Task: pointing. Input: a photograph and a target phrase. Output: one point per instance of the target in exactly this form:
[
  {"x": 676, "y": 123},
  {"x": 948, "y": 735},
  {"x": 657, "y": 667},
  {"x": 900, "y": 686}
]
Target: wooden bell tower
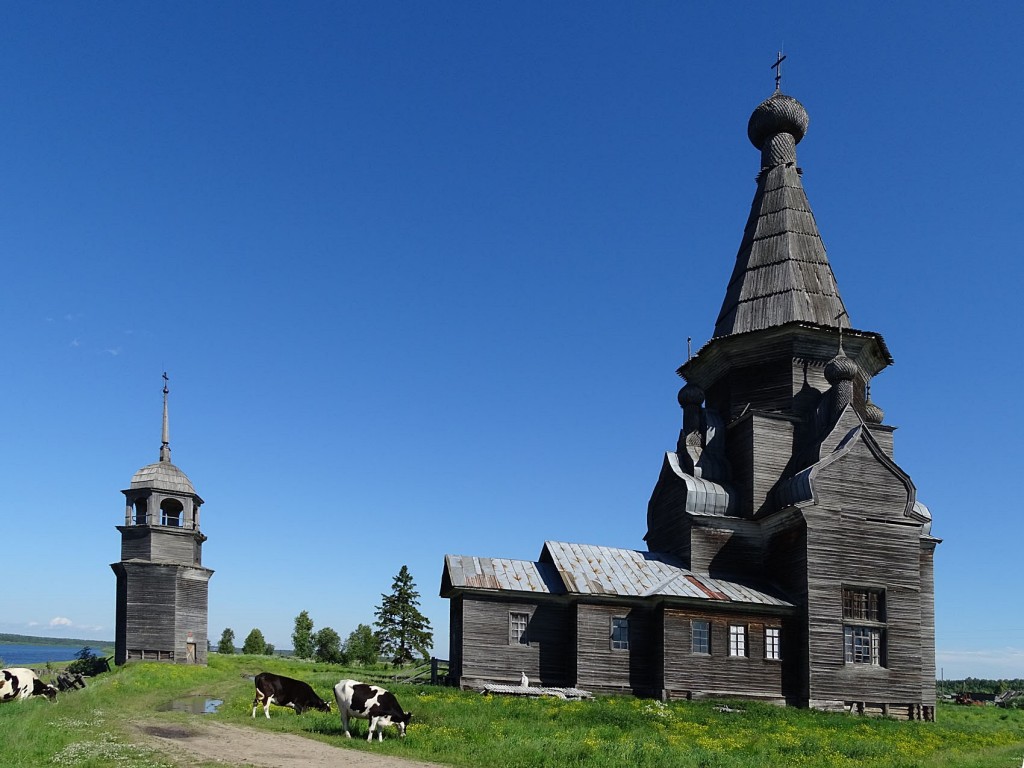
[{"x": 162, "y": 586}]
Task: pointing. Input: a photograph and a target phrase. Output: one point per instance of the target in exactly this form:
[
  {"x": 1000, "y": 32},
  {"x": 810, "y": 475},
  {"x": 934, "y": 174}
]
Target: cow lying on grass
[
  {"x": 285, "y": 692},
  {"x": 20, "y": 683},
  {"x": 370, "y": 702}
]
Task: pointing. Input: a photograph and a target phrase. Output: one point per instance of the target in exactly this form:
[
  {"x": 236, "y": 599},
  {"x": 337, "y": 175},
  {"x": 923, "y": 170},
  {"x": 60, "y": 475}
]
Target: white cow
[
  {"x": 370, "y": 702},
  {"x": 21, "y": 683}
]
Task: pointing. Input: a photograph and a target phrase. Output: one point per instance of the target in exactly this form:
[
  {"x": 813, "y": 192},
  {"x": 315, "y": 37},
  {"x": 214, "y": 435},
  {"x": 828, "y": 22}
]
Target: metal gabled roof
[
  {"x": 497, "y": 573},
  {"x": 595, "y": 570},
  {"x": 586, "y": 569}
]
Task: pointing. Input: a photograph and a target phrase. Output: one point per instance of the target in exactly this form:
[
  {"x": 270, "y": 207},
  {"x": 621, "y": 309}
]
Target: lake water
[{"x": 21, "y": 655}]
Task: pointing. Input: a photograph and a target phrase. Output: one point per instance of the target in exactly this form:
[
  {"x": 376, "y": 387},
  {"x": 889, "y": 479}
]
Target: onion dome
[
  {"x": 872, "y": 413},
  {"x": 691, "y": 394},
  {"x": 840, "y": 368},
  {"x": 777, "y": 114},
  {"x": 922, "y": 513}
]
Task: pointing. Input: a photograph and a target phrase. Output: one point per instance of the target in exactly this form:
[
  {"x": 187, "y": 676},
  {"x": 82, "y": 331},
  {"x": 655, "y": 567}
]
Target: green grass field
[{"x": 90, "y": 727}]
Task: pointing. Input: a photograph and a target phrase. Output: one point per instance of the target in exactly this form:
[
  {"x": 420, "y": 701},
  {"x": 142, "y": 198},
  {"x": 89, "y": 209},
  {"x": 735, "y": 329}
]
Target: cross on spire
[
  {"x": 777, "y": 66},
  {"x": 165, "y": 437}
]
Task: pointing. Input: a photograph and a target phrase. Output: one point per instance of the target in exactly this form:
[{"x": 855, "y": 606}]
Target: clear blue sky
[{"x": 421, "y": 274}]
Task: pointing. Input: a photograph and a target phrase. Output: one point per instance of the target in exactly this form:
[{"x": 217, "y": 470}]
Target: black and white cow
[
  {"x": 285, "y": 692},
  {"x": 20, "y": 683},
  {"x": 372, "y": 703}
]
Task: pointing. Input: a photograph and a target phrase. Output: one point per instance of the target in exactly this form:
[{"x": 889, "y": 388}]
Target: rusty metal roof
[
  {"x": 502, "y": 574},
  {"x": 585, "y": 569}
]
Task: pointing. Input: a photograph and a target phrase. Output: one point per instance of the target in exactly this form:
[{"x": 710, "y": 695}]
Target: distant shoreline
[{"x": 60, "y": 641}]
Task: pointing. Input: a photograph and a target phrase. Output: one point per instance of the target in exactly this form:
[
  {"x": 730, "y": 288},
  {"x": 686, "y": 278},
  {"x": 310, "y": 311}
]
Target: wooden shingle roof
[{"x": 782, "y": 273}]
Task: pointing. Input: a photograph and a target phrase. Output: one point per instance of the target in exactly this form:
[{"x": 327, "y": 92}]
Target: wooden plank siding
[
  {"x": 601, "y": 668},
  {"x": 151, "y": 601},
  {"x": 486, "y": 655},
  {"x": 160, "y": 544},
  {"x": 847, "y": 551},
  {"x": 696, "y": 675},
  {"x": 726, "y": 547},
  {"x": 927, "y": 560},
  {"x": 763, "y": 442}
]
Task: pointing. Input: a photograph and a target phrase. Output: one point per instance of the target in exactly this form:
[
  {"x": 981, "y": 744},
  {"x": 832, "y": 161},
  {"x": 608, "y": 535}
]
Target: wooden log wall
[
  {"x": 191, "y": 611},
  {"x": 487, "y": 655},
  {"x": 726, "y": 547},
  {"x": 694, "y": 675},
  {"x": 928, "y": 623},
  {"x": 844, "y": 549},
  {"x": 601, "y": 668},
  {"x": 759, "y": 449},
  {"x": 766, "y": 386},
  {"x": 151, "y": 600}
]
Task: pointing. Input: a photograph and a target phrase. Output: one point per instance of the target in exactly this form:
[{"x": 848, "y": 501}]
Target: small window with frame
[
  {"x": 518, "y": 623},
  {"x": 620, "y": 634},
  {"x": 773, "y": 643},
  {"x": 700, "y": 637},
  {"x": 738, "y": 640}
]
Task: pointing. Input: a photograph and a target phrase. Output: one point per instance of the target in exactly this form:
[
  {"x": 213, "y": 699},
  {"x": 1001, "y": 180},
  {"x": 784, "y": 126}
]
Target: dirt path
[{"x": 235, "y": 745}]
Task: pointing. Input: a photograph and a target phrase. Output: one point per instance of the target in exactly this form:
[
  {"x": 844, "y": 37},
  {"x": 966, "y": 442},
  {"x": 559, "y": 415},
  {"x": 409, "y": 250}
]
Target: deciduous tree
[
  {"x": 361, "y": 646},
  {"x": 255, "y": 643},
  {"x": 302, "y": 637},
  {"x": 327, "y": 644}
]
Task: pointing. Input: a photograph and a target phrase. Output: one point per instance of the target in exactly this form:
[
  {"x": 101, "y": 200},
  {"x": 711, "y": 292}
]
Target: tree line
[{"x": 400, "y": 631}]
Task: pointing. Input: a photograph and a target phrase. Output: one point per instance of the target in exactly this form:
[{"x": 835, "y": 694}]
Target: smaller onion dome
[
  {"x": 922, "y": 513},
  {"x": 691, "y": 394},
  {"x": 777, "y": 114},
  {"x": 872, "y": 413},
  {"x": 840, "y": 368}
]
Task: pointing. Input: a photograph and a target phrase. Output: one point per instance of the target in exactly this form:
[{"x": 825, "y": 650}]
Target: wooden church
[
  {"x": 162, "y": 586},
  {"x": 788, "y": 560}
]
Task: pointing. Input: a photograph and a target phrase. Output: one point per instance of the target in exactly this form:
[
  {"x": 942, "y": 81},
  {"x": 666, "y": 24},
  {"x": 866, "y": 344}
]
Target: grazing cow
[
  {"x": 285, "y": 692},
  {"x": 372, "y": 703},
  {"x": 20, "y": 683}
]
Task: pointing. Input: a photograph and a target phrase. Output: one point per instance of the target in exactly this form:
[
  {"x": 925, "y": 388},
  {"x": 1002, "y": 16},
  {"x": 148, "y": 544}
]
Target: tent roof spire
[{"x": 782, "y": 273}]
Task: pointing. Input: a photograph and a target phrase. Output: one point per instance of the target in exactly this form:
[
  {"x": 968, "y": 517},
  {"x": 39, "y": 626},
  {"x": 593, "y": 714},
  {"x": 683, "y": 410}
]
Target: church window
[
  {"x": 620, "y": 634},
  {"x": 772, "y": 643},
  {"x": 700, "y": 636},
  {"x": 863, "y": 645},
  {"x": 737, "y": 640},
  {"x": 864, "y": 626},
  {"x": 517, "y": 623},
  {"x": 863, "y": 604}
]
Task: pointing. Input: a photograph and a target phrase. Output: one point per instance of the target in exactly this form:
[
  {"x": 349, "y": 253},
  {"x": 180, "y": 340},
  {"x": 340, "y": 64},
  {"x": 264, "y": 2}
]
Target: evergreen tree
[
  {"x": 268, "y": 649},
  {"x": 362, "y": 646},
  {"x": 401, "y": 628},
  {"x": 302, "y": 637},
  {"x": 254, "y": 643},
  {"x": 327, "y": 644},
  {"x": 227, "y": 641}
]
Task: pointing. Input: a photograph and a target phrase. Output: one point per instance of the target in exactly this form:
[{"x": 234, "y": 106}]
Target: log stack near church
[{"x": 788, "y": 558}]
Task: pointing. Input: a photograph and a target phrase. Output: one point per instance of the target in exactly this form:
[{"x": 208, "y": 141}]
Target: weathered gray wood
[{"x": 783, "y": 479}]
